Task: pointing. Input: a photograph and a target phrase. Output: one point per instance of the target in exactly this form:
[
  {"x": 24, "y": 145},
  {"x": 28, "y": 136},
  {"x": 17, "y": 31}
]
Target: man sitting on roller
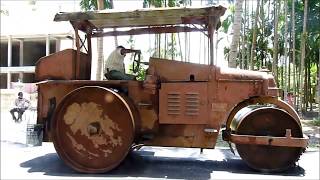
[{"x": 114, "y": 68}]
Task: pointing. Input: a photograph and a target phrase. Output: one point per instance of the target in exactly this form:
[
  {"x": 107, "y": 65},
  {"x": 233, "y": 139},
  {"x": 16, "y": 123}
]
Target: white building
[{"x": 28, "y": 33}]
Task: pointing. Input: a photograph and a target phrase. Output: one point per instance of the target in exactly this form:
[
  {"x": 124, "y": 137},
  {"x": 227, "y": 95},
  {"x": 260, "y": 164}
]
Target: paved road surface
[{"x": 21, "y": 162}]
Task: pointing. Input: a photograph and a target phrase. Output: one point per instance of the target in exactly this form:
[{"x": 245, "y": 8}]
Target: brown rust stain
[
  {"x": 80, "y": 116},
  {"x": 148, "y": 118}
]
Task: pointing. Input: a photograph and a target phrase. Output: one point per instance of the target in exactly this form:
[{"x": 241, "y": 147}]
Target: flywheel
[{"x": 93, "y": 129}]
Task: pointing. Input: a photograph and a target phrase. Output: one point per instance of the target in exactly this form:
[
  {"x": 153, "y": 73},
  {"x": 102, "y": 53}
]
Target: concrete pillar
[
  {"x": 21, "y": 58},
  {"x": 73, "y": 41},
  {"x": 9, "y": 61},
  {"x": 58, "y": 44},
  {"x": 47, "y": 45}
]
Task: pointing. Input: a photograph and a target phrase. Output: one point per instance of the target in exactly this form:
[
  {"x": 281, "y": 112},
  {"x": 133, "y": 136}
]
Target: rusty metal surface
[
  {"x": 56, "y": 90},
  {"x": 286, "y": 141},
  {"x": 176, "y": 135},
  {"x": 166, "y": 70},
  {"x": 263, "y": 100},
  {"x": 267, "y": 121},
  {"x": 183, "y": 103},
  {"x": 219, "y": 100},
  {"x": 179, "y": 104},
  {"x": 93, "y": 129},
  {"x": 63, "y": 65}
]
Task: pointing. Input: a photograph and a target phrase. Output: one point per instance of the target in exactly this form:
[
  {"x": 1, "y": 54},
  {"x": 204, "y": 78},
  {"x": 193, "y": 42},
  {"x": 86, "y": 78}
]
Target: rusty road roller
[{"x": 95, "y": 124}]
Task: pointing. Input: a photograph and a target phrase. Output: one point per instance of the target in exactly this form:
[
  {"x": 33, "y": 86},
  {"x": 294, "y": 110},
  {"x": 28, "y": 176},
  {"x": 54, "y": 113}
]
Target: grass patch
[
  {"x": 315, "y": 121},
  {"x": 314, "y": 145}
]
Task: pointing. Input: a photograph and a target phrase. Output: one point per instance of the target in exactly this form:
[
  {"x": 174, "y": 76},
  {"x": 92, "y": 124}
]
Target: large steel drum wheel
[
  {"x": 93, "y": 129},
  {"x": 267, "y": 121}
]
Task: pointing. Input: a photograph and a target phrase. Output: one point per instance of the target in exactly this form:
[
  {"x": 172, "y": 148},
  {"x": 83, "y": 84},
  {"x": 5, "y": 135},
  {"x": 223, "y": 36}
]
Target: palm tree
[
  {"x": 319, "y": 85},
  {"x": 100, "y": 62},
  {"x": 244, "y": 38},
  {"x": 293, "y": 51},
  {"x": 275, "y": 41},
  {"x": 236, "y": 34},
  {"x": 254, "y": 37},
  {"x": 285, "y": 48},
  {"x": 303, "y": 51},
  {"x": 88, "y": 5}
]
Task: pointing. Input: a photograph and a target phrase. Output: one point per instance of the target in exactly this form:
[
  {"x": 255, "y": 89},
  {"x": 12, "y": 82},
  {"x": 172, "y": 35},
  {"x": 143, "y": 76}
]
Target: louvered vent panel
[
  {"x": 192, "y": 104},
  {"x": 183, "y": 103},
  {"x": 174, "y": 103}
]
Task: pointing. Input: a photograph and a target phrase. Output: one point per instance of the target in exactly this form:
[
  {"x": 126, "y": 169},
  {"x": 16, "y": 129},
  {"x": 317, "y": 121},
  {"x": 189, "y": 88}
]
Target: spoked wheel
[
  {"x": 93, "y": 129},
  {"x": 267, "y": 121}
]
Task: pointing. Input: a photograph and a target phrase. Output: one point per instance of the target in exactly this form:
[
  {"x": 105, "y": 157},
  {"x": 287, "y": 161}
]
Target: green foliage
[
  {"x": 4, "y": 12},
  {"x": 89, "y": 5},
  {"x": 32, "y": 2},
  {"x": 264, "y": 50},
  {"x": 226, "y": 23},
  {"x": 166, "y": 3},
  {"x": 316, "y": 121},
  {"x": 141, "y": 74},
  {"x": 171, "y": 3}
]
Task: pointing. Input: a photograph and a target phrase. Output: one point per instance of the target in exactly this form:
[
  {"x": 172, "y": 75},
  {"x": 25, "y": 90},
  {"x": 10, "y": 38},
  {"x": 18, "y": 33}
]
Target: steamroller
[{"x": 94, "y": 124}]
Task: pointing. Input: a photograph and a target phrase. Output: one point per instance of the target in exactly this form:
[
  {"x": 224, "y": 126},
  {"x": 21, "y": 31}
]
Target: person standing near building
[
  {"x": 21, "y": 105},
  {"x": 114, "y": 67}
]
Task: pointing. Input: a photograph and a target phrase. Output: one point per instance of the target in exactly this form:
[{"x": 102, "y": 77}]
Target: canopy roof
[{"x": 143, "y": 17}]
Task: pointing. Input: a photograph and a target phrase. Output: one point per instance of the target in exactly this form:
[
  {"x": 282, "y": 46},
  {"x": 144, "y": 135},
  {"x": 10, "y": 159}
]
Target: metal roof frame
[{"x": 145, "y": 21}]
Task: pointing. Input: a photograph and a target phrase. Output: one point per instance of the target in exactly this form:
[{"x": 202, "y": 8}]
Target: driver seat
[{"x": 107, "y": 75}]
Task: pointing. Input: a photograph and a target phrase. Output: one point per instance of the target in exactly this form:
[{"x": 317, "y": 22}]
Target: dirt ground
[{"x": 313, "y": 132}]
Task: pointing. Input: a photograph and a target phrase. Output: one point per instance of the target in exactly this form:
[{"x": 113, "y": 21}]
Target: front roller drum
[
  {"x": 266, "y": 122},
  {"x": 93, "y": 129}
]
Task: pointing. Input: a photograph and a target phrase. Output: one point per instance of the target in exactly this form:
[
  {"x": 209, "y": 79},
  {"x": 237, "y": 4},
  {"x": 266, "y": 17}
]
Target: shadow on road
[{"x": 144, "y": 164}]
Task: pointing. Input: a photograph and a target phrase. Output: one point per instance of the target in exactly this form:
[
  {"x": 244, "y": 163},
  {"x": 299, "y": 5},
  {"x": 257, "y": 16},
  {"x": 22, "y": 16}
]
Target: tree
[
  {"x": 293, "y": 51},
  {"x": 254, "y": 37},
  {"x": 236, "y": 34},
  {"x": 285, "y": 48},
  {"x": 261, "y": 37},
  {"x": 4, "y": 12},
  {"x": 169, "y": 49},
  {"x": 275, "y": 41},
  {"x": 319, "y": 83},
  {"x": 303, "y": 45}
]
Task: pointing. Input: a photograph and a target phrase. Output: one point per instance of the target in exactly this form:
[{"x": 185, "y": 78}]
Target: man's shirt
[
  {"x": 115, "y": 61},
  {"x": 22, "y": 103}
]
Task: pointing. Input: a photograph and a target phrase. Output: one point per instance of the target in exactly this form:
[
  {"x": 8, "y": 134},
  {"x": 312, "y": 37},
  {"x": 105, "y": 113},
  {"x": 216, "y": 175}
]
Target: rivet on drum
[{"x": 109, "y": 98}]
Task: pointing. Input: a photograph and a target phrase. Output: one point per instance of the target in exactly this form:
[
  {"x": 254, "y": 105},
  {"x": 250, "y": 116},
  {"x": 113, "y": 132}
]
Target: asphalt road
[{"x": 19, "y": 161}]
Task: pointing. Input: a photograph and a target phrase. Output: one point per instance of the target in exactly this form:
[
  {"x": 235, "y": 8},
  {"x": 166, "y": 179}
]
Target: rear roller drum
[
  {"x": 93, "y": 129},
  {"x": 266, "y": 121}
]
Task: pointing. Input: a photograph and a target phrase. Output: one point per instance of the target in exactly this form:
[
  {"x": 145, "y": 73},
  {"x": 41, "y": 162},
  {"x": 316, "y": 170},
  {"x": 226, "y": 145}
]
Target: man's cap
[{"x": 120, "y": 47}]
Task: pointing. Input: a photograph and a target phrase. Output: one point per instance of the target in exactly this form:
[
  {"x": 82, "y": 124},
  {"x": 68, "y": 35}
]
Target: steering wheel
[{"x": 136, "y": 62}]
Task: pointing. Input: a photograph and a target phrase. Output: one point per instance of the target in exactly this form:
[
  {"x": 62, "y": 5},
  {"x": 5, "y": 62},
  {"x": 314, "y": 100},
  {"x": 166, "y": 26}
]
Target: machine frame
[{"x": 184, "y": 108}]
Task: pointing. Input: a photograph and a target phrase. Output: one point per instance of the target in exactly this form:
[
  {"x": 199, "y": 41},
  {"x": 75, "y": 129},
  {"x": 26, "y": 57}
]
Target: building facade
[{"x": 28, "y": 33}]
